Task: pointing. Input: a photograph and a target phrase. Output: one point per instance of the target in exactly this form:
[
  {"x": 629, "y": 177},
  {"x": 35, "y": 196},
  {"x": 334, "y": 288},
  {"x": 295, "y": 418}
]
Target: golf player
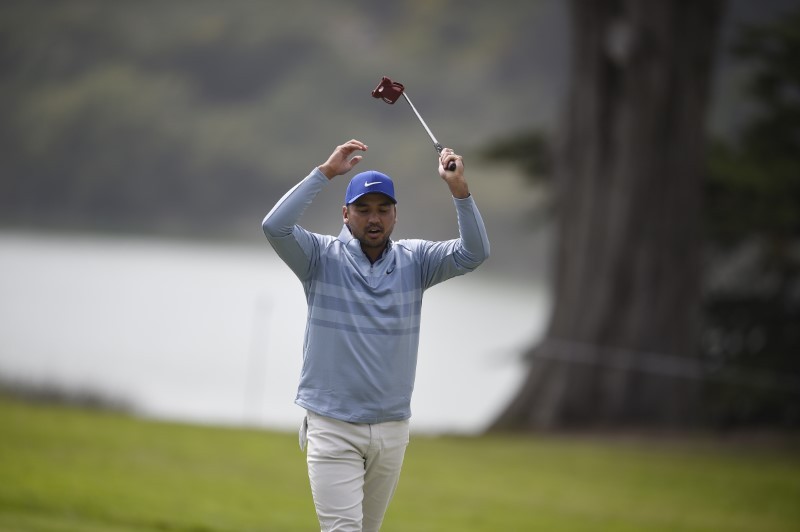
[{"x": 364, "y": 294}]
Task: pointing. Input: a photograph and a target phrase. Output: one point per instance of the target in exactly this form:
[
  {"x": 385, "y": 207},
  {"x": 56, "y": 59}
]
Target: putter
[{"x": 389, "y": 91}]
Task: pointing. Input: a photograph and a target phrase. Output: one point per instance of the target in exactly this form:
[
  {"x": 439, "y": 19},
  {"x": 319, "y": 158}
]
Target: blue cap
[{"x": 368, "y": 182}]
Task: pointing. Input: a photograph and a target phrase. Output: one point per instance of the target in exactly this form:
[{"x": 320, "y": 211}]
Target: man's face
[{"x": 371, "y": 220}]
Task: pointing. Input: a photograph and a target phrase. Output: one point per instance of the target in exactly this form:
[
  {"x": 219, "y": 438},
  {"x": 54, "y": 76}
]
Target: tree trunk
[{"x": 618, "y": 349}]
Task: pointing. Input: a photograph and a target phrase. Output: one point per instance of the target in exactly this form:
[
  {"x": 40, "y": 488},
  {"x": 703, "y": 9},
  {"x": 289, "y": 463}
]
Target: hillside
[{"x": 187, "y": 118}]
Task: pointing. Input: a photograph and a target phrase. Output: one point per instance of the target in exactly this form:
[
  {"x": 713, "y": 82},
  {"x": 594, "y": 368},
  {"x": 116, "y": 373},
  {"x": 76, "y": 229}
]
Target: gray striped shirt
[{"x": 362, "y": 332}]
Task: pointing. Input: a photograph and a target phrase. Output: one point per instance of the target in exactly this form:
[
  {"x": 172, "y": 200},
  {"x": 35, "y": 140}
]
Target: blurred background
[{"x": 142, "y": 143}]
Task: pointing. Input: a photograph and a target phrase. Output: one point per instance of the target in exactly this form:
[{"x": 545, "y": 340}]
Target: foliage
[
  {"x": 67, "y": 469},
  {"x": 184, "y": 116},
  {"x": 54, "y": 394},
  {"x": 753, "y": 222},
  {"x": 530, "y": 150}
]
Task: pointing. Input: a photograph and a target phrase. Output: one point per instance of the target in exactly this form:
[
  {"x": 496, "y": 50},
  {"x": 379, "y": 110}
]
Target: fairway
[{"x": 65, "y": 469}]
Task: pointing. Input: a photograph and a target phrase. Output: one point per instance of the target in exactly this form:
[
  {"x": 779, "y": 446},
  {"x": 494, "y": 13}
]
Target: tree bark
[{"x": 618, "y": 348}]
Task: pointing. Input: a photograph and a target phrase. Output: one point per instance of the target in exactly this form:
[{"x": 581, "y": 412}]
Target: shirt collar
[{"x": 355, "y": 246}]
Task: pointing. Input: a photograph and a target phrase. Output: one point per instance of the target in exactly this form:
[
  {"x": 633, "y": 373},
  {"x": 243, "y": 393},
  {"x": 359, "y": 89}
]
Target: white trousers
[{"x": 353, "y": 469}]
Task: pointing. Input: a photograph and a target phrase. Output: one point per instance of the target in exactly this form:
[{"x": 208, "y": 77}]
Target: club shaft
[{"x": 421, "y": 121}]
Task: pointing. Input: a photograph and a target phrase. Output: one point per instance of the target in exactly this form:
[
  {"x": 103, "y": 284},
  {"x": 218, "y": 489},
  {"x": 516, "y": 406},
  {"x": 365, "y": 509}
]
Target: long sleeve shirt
[{"x": 362, "y": 330}]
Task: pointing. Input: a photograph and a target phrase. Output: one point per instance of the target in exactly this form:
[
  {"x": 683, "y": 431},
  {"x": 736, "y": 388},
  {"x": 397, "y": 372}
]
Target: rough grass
[{"x": 67, "y": 469}]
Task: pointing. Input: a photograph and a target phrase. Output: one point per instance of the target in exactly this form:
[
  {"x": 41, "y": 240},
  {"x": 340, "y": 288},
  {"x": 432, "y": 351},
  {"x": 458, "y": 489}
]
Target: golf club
[{"x": 389, "y": 91}]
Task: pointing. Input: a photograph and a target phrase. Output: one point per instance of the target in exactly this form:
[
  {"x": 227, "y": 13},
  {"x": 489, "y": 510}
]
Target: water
[{"x": 213, "y": 333}]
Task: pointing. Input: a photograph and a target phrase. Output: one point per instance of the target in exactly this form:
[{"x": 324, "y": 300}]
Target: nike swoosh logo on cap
[{"x": 373, "y": 183}]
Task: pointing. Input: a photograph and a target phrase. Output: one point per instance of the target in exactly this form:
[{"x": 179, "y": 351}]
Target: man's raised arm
[{"x": 280, "y": 221}]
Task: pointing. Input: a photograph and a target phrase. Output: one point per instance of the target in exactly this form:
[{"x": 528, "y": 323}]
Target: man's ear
[{"x": 344, "y": 214}]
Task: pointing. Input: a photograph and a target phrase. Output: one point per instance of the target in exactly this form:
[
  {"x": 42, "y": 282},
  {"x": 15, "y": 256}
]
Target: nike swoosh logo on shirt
[{"x": 373, "y": 183}]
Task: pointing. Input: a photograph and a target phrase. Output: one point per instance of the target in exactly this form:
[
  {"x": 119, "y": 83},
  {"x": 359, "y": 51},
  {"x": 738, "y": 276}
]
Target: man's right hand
[{"x": 340, "y": 161}]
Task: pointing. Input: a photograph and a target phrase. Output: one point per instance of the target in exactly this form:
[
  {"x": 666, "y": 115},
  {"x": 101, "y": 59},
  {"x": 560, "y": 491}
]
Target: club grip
[{"x": 450, "y": 167}]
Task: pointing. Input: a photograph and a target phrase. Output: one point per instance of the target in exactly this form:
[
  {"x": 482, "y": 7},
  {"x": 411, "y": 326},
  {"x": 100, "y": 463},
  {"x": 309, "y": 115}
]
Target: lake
[{"x": 213, "y": 333}]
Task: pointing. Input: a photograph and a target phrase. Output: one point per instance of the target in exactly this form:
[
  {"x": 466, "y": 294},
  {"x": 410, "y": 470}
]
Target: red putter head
[{"x": 388, "y": 91}]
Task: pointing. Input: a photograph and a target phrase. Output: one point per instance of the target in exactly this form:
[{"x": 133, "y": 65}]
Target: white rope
[{"x": 661, "y": 364}]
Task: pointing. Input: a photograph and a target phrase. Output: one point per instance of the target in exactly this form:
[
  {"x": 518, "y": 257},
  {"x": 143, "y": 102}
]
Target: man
[{"x": 364, "y": 294}]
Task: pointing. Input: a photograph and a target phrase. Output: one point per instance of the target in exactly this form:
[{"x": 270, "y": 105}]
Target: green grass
[{"x": 65, "y": 469}]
